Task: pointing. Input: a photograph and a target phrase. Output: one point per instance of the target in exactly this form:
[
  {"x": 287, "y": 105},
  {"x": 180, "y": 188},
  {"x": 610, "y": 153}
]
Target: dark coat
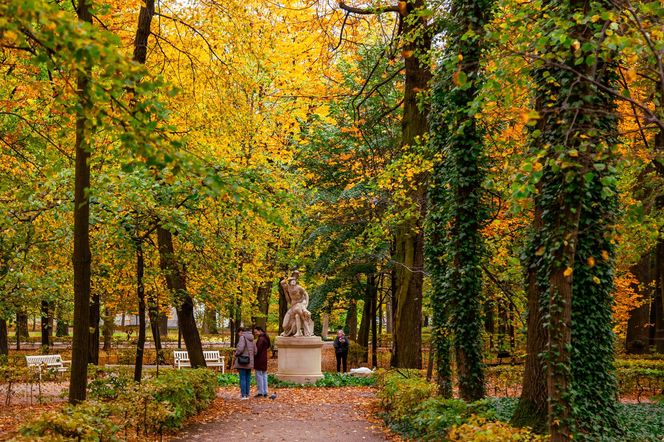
[
  {"x": 245, "y": 346},
  {"x": 341, "y": 347},
  {"x": 262, "y": 347}
]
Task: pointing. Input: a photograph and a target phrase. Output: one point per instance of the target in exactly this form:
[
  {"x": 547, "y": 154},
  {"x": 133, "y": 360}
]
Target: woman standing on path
[
  {"x": 244, "y": 360},
  {"x": 341, "y": 350},
  {"x": 260, "y": 362}
]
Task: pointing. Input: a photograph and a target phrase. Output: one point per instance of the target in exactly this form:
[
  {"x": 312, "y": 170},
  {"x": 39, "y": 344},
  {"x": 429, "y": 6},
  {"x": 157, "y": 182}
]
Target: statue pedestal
[{"x": 299, "y": 359}]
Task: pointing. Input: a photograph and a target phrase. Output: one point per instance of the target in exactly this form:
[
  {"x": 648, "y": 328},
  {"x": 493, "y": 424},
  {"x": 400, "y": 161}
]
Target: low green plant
[
  {"x": 157, "y": 404},
  {"x": 344, "y": 380},
  {"x": 89, "y": 421}
]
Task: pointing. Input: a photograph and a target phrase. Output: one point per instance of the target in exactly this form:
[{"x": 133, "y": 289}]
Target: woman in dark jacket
[
  {"x": 245, "y": 349},
  {"x": 260, "y": 361},
  {"x": 341, "y": 349}
]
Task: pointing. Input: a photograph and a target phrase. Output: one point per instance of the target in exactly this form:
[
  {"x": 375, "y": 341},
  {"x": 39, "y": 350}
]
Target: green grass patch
[{"x": 330, "y": 380}]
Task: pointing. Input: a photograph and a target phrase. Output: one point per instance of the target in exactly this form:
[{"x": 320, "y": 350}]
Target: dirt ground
[{"x": 297, "y": 414}]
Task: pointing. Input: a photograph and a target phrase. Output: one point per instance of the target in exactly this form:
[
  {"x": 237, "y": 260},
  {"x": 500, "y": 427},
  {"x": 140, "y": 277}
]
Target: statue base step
[{"x": 299, "y": 359}]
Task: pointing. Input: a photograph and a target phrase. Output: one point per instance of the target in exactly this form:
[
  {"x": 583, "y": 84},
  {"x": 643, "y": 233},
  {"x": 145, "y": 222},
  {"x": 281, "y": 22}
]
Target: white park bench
[
  {"x": 46, "y": 362},
  {"x": 212, "y": 359}
]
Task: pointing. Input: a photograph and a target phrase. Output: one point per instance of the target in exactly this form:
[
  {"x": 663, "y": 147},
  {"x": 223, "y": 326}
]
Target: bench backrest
[
  {"x": 34, "y": 361},
  {"x": 180, "y": 355},
  {"x": 211, "y": 355}
]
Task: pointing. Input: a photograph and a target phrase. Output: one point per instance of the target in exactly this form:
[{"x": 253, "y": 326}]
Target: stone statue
[{"x": 297, "y": 321}]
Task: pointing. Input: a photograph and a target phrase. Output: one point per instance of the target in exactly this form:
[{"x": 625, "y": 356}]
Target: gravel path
[{"x": 297, "y": 414}]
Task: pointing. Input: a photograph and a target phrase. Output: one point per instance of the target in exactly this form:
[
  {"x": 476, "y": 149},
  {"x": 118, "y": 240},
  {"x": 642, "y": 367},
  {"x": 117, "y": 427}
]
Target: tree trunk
[
  {"x": 82, "y": 257},
  {"x": 4, "y": 341},
  {"x": 210, "y": 321},
  {"x": 659, "y": 295},
  {"x": 371, "y": 282},
  {"x": 61, "y": 328},
  {"x": 407, "y": 350},
  {"x": 140, "y": 295},
  {"x": 109, "y": 326},
  {"x": 407, "y": 345},
  {"x": 154, "y": 314},
  {"x": 560, "y": 330},
  {"x": 351, "y": 320},
  {"x": 95, "y": 316},
  {"x": 45, "y": 328},
  {"x": 365, "y": 324},
  {"x": 638, "y": 325},
  {"x": 176, "y": 282},
  {"x": 22, "y": 331},
  {"x": 325, "y": 326},
  {"x": 283, "y": 307},
  {"x": 263, "y": 304},
  {"x": 531, "y": 410},
  {"x": 163, "y": 325},
  {"x": 388, "y": 315}
]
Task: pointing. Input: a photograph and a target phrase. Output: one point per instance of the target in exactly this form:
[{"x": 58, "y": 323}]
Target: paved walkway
[{"x": 297, "y": 414}]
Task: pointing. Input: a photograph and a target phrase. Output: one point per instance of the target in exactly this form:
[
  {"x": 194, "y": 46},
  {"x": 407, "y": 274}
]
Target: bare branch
[{"x": 368, "y": 11}]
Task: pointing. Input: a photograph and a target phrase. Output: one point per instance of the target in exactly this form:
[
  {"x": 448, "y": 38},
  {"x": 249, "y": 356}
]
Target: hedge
[{"x": 119, "y": 409}]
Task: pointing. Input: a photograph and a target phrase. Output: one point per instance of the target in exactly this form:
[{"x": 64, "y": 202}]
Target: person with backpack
[{"x": 244, "y": 360}]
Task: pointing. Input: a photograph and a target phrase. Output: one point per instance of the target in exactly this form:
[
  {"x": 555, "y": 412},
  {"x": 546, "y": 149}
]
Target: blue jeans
[
  {"x": 245, "y": 381},
  {"x": 261, "y": 382}
]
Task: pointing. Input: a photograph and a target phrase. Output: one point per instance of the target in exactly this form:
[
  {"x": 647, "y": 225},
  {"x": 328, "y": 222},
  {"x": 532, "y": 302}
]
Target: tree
[
  {"x": 82, "y": 257},
  {"x": 408, "y": 237}
]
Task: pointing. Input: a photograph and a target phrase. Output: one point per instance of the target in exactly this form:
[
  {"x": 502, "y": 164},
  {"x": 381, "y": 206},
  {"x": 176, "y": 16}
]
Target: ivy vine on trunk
[{"x": 457, "y": 210}]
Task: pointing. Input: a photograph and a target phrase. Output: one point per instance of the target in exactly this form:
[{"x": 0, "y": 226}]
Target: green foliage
[
  {"x": 158, "y": 404},
  {"x": 641, "y": 422},
  {"x": 638, "y": 422},
  {"x": 344, "y": 380},
  {"x": 401, "y": 391},
  {"x": 635, "y": 378},
  {"x": 412, "y": 410},
  {"x": 329, "y": 380},
  {"x": 457, "y": 197},
  {"x": 89, "y": 421}
]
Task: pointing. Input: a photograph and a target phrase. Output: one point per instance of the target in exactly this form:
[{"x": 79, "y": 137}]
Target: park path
[{"x": 297, "y": 414}]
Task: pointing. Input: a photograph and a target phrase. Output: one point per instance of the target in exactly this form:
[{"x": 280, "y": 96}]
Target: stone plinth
[{"x": 299, "y": 359}]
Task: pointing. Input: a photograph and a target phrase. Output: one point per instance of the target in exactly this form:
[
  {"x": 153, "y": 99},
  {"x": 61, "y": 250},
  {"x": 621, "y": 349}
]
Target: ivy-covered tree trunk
[
  {"x": 457, "y": 212},
  {"x": 176, "y": 282},
  {"x": 82, "y": 257},
  {"x": 576, "y": 199},
  {"x": 531, "y": 410}
]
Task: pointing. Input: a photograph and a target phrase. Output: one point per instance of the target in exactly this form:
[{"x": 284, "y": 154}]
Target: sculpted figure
[{"x": 297, "y": 321}]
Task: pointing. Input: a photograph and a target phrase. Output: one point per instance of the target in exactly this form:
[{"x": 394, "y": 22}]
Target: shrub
[
  {"x": 344, "y": 380},
  {"x": 412, "y": 409},
  {"x": 479, "y": 429},
  {"x": 157, "y": 404},
  {"x": 402, "y": 390},
  {"x": 89, "y": 421}
]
